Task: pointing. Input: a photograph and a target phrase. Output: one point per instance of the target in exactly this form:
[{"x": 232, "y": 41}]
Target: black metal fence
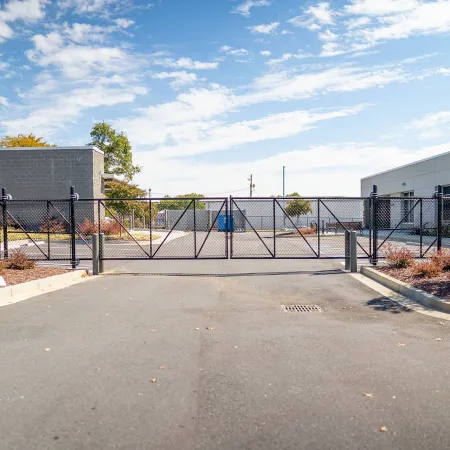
[{"x": 222, "y": 228}]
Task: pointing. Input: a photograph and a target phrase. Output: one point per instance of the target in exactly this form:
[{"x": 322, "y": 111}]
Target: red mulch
[
  {"x": 21, "y": 276},
  {"x": 439, "y": 286}
]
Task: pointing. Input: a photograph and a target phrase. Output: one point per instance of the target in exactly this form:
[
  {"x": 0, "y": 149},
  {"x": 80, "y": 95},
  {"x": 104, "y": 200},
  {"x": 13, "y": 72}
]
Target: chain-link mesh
[
  {"x": 206, "y": 228},
  {"x": 407, "y": 222}
]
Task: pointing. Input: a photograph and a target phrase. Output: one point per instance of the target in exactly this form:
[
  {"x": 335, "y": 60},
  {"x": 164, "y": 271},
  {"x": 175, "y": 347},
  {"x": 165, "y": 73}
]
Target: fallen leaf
[
  {"x": 47, "y": 349},
  {"x": 441, "y": 323},
  {"x": 154, "y": 380},
  {"x": 383, "y": 428},
  {"x": 162, "y": 367},
  {"x": 439, "y": 339},
  {"x": 401, "y": 345},
  {"x": 366, "y": 394},
  {"x": 209, "y": 328},
  {"x": 197, "y": 329}
]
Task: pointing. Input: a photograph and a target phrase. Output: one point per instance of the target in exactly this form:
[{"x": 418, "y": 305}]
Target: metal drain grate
[{"x": 301, "y": 308}]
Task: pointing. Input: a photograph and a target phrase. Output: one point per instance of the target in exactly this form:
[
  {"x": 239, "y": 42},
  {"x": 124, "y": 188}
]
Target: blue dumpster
[{"x": 225, "y": 223}]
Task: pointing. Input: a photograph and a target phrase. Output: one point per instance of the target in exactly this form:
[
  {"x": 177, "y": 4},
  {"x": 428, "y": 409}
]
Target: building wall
[
  {"x": 48, "y": 173},
  {"x": 421, "y": 177}
]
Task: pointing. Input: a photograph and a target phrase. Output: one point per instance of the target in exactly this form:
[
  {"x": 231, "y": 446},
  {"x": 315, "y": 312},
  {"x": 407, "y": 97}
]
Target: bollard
[
  {"x": 347, "y": 250},
  {"x": 95, "y": 254},
  {"x": 353, "y": 252},
  {"x": 101, "y": 262}
]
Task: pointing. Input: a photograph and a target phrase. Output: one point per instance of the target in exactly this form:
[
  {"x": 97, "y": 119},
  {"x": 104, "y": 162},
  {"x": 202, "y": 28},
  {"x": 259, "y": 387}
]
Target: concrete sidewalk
[{"x": 77, "y": 365}]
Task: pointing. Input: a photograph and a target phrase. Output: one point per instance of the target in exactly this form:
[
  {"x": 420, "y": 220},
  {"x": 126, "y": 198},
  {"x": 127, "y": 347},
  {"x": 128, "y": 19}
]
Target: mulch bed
[
  {"x": 21, "y": 276},
  {"x": 439, "y": 286}
]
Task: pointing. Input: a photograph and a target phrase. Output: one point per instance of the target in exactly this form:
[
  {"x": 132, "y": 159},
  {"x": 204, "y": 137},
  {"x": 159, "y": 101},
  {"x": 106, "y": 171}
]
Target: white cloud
[
  {"x": 4, "y": 101},
  {"x": 234, "y": 51},
  {"x": 124, "y": 23},
  {"x": 215, "y": 136},
  {"x": 313, "y": 171},
  {"x": 244, "y": 8},
  {"x": 377, "y": 21},
  {"x": 52, "y": 111},
  {"x": 286, "y": 57},
  {"x": 85, "y": 6},
  {"x": 380, "y": 7},
  {"x": 431, "y": 126},
  {"x": 265, "y": 52},
  {"x": 269, "y": 28},
  {"x": 25, "y": 10},
  {"x": 315, "y": 17},
  {"x": 179, "y": 79},
  {"x": 185, "y": 63}
]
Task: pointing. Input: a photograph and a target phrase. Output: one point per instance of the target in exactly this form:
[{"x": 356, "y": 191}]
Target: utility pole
[
  {"x": 150, "y": 193},
  {"x": 252, "y": 186},
  {"x": 284, "y": 181}
]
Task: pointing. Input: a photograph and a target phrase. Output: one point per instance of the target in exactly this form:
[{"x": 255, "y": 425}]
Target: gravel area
[
  {"x": 439, "y": 286},
  {"x": 21, "y": 276}
]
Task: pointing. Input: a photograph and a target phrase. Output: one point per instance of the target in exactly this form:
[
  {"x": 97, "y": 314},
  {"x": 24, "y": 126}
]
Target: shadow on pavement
[
  {"x": 226, "y": 275},
  {"x": 386, "y": 304}
]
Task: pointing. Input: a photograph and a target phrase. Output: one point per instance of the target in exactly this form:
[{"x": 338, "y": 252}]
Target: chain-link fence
[{"x": 215, "y": 228}]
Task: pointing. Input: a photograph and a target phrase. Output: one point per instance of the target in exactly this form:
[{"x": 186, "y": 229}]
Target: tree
[
  {"x": 298, "y": 207},
  {"x": 178, "y": 203},
  {"x": 22, "y": 140},
  {"x": 121, "y": 189},
  {"x": 117, "y": 150}
]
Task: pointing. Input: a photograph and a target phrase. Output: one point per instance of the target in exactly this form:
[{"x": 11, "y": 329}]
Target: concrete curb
[
  {"x": 407, "y": 290},
  {"x": 24, "y": 291}
]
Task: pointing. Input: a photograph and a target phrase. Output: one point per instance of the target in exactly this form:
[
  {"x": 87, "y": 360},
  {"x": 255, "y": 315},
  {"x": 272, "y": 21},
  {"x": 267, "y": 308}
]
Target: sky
[{"x": 211, "y": 91}]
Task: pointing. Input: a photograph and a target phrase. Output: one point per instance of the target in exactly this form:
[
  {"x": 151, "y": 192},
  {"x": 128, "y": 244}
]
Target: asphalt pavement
[{"x": 212, "y": 362}]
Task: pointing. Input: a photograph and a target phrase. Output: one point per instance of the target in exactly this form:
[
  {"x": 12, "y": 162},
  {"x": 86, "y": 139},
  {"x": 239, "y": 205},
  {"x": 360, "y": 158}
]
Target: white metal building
[{"x": 418, "y": 179}]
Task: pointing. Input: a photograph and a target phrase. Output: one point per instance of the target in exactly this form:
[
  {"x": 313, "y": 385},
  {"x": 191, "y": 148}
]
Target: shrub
[
  {"x": 442, "y": 258},
  {"x": 398, "y": 257},
  {"x": 427, "y": 269},
  {"x": 110, "y": 227},
  {"x": 52, "y": 225},
  {"x": 87, "y": 228},
  {"x": 19, "y": 261}
]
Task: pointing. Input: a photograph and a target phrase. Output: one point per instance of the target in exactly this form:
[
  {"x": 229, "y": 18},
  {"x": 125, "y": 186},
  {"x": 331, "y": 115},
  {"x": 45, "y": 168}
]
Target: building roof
[
  {"x": 84, "y": 147},
  {"x": 407, "y": 165}
]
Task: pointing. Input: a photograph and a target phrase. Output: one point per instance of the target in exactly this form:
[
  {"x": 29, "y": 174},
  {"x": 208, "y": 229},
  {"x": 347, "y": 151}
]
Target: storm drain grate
[{"x": 301, "y": 308}]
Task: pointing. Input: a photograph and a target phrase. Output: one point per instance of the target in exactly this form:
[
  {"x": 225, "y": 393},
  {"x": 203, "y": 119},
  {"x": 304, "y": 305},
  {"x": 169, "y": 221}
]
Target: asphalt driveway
[{"x": 212, "y": 362}]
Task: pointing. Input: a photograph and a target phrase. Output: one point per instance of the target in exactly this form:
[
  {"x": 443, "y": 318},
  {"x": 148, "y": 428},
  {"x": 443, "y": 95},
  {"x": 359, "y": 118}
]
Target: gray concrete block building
[
  {"x": 41, "y": 174},
  {"x": 48, "y": 172}
]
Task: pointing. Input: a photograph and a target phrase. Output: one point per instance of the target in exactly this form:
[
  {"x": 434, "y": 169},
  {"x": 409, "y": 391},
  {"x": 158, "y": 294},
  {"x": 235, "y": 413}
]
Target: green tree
[
  {"x": 298, "y": 207},
  {"x": 22, "y": 140},
  {"x": 181, "y": 202},
  {"x": 121, "y": 189},
  {"x": 117, "y": 150}
]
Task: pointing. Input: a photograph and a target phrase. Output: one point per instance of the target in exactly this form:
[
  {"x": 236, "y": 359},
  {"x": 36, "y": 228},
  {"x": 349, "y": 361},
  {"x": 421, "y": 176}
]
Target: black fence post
[
  {"x": 274, "y": 230},
  {"x": 5, "y": 223},
  {"x": 48, "y": 230},
  {"x": 73, "y": 198},
  {"x": 374, "y": 199},
  {"x": 440, "y": 208},
  {"x": 195, "y": 229}
]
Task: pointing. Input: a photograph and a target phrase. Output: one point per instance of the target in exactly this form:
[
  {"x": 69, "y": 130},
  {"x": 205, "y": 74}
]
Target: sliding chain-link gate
[{"x": 222, "y": 228}]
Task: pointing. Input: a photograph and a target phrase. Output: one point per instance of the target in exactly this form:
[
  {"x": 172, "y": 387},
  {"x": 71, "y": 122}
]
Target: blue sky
[{"x": 210, "y": 92}]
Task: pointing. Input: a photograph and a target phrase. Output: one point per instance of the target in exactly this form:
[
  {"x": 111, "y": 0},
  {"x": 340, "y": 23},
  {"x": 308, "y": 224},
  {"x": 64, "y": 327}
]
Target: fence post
[
  {"x": 440, "y": 204},
  {"x": 374, "y": 198},
  {"x": 73, "y": 198},
  {"x": 101, "y": 249},
  {"x": 95, "y": 254},
  {"x": 5, "y": 223},
  {"x": 347, "y": 250},
  {"x": 195, "y": 230},
  {"x": 274, "y": 230},
  {"x": 353, "y": 252}
]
